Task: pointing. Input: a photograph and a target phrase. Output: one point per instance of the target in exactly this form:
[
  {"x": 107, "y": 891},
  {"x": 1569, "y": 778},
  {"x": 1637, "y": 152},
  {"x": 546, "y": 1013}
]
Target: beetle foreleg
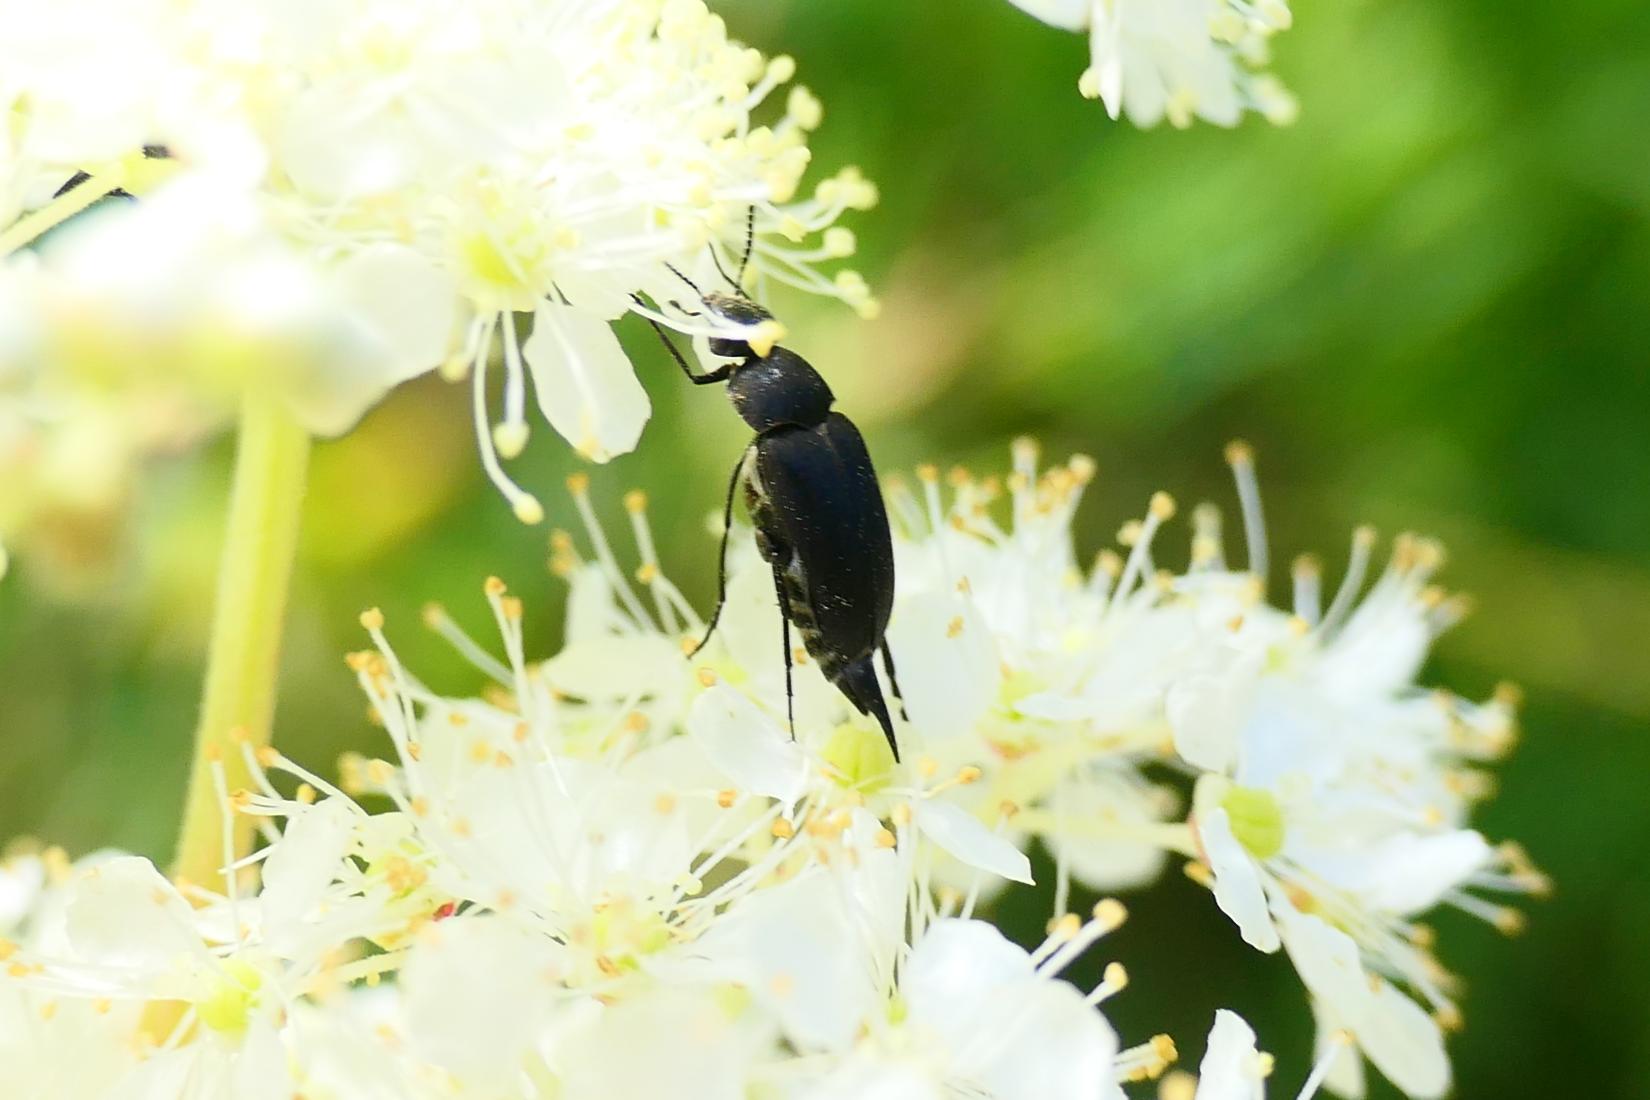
[
  {"x": 720, "y": 374},
  {"x": 722, "y": 559}
]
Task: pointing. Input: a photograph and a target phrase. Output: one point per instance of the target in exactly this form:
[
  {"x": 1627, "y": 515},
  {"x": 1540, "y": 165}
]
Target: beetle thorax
[{"x": 780, "y": 389}]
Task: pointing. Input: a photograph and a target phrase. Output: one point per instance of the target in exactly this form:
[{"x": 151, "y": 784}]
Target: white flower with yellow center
[
  {"x": 385, "y": 189},
  {"x": 1177, "y": 59}
]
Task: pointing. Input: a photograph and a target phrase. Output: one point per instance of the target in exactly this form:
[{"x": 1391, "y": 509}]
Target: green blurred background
[{"x": 1425, "y": 304}]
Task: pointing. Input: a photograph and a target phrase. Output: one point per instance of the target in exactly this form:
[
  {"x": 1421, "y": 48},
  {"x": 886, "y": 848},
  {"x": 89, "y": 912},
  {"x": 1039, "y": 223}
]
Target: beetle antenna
[
  {"x": 722, "y": 271},
  {"x": 674, "y": 270},
  {"x": 750, "y": 243}
]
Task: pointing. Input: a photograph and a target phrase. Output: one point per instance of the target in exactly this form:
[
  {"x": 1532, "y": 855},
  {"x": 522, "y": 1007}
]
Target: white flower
[
  {"x": 1330, "y": 781},
  {"x": 382, "y": 189},
  {"x": 1177, "y": 59},
  {"x": 975, "y": 1014}
]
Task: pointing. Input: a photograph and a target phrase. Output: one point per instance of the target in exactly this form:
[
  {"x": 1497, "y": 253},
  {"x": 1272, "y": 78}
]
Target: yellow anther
[
  {"x": 707, "y": 677},
  {"x": 764, "y": 335},
  {"x": 1239, "y": 453},
  {"x": 968, "y": 773},
  {"x": 1178, "y": 1085},
  {"x": 1109, "y": 913},
  {"x": 1065, "y": 927},
  {"x": 494, "y": 587},
  {"x": 578, "y": 483},
  {"x": 528, "y": 510},
  {"x": 782, "y": 829},
  {"x": 726, "y": 798},
  {"x": 1162, "y": 506}
]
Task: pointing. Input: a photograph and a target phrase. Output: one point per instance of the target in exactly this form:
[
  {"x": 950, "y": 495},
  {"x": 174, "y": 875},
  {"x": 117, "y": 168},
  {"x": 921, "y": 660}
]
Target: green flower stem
[{"x": 238, "y": 705}]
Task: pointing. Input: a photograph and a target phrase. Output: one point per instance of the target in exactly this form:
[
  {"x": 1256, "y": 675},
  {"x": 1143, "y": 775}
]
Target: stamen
[
  {"x": 1241, "y": 457},
  {"x": 1308, "y": 590},
  {"x": 1162, "y": 508},
  {"x": 1338, "y": 1044},
  {"x": 579, "y": 486},
  {"x": 438, "y": 620},
  {"x": 1357, "y": 565},
  {"x": 510, "y": 436},
  {"x": 1207, "y": 551},
  {"x": 1113, "y": 981},
  {"x": 526, "y": 506}
]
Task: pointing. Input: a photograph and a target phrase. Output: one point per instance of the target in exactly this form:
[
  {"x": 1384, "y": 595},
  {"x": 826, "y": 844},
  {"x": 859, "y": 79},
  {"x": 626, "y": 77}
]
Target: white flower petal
[
  {"x": 21, "y": 882},
  {"x": 1411, "y": 873},
  {"x": 1405, "y": 1044},
  {"x": 797, "y": 948},
  {"x": 1327, "y": 960},
  {"x": 1206, "y": 712},
  {"x": 1069, "y": 15},
  {"x": 476, "y": 992},
  {"x": 1110, "y": 795},
  {"x": 1346, "y": 1072},
  {"x": 585, "y": 385},
  {"x": 965, "y": 837},
  {"x": 125, "y": 914},
  {"x": 746, "y": 745},
  {"x": 403, "y": 309},
  {"x": 948, "y": 664},
  {"x": 1238, "y": 888},
  {"x": 615, "y": 666},
  {"x": 1228, "y": 1069},
  {"x": 668, "y": 1042},
  {"x": 303, "y": 863},
  {"x": 955, "y": 964}
]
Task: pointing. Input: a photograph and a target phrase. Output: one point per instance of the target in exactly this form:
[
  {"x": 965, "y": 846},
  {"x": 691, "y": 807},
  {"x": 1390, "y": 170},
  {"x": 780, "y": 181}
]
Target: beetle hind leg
[
  {"x": 785, "y": 645},
  {"x": 893, "y": 679}
]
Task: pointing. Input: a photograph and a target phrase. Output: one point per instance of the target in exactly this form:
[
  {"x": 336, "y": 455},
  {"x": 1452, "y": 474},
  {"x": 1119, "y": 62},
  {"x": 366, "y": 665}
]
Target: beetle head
[{"x": 761, "y": 333}]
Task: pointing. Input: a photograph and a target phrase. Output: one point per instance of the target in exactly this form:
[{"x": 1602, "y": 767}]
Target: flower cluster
[
  {"x": 1177, "y": 59},
  {"x": 333, "y": 199},
  {"x": 617, "y": 869}
]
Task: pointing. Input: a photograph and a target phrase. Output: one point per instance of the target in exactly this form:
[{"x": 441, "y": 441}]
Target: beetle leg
[
  {"x": 720, "y": 374},
  {"x": 722, "y": 559},
  {"x": 893, "y": 680},
  {"x": 785, "y": 642}
]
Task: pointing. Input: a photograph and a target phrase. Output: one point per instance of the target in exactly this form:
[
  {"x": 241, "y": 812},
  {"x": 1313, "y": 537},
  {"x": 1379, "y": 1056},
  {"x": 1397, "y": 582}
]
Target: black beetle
[{"x": 815, "y": 502}]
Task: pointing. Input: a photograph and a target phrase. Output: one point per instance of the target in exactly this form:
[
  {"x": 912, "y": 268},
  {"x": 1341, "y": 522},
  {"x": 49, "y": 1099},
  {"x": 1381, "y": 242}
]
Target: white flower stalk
[
  {"x": 1177, "y": 59},
  {"x": 381, "y": 190}
]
